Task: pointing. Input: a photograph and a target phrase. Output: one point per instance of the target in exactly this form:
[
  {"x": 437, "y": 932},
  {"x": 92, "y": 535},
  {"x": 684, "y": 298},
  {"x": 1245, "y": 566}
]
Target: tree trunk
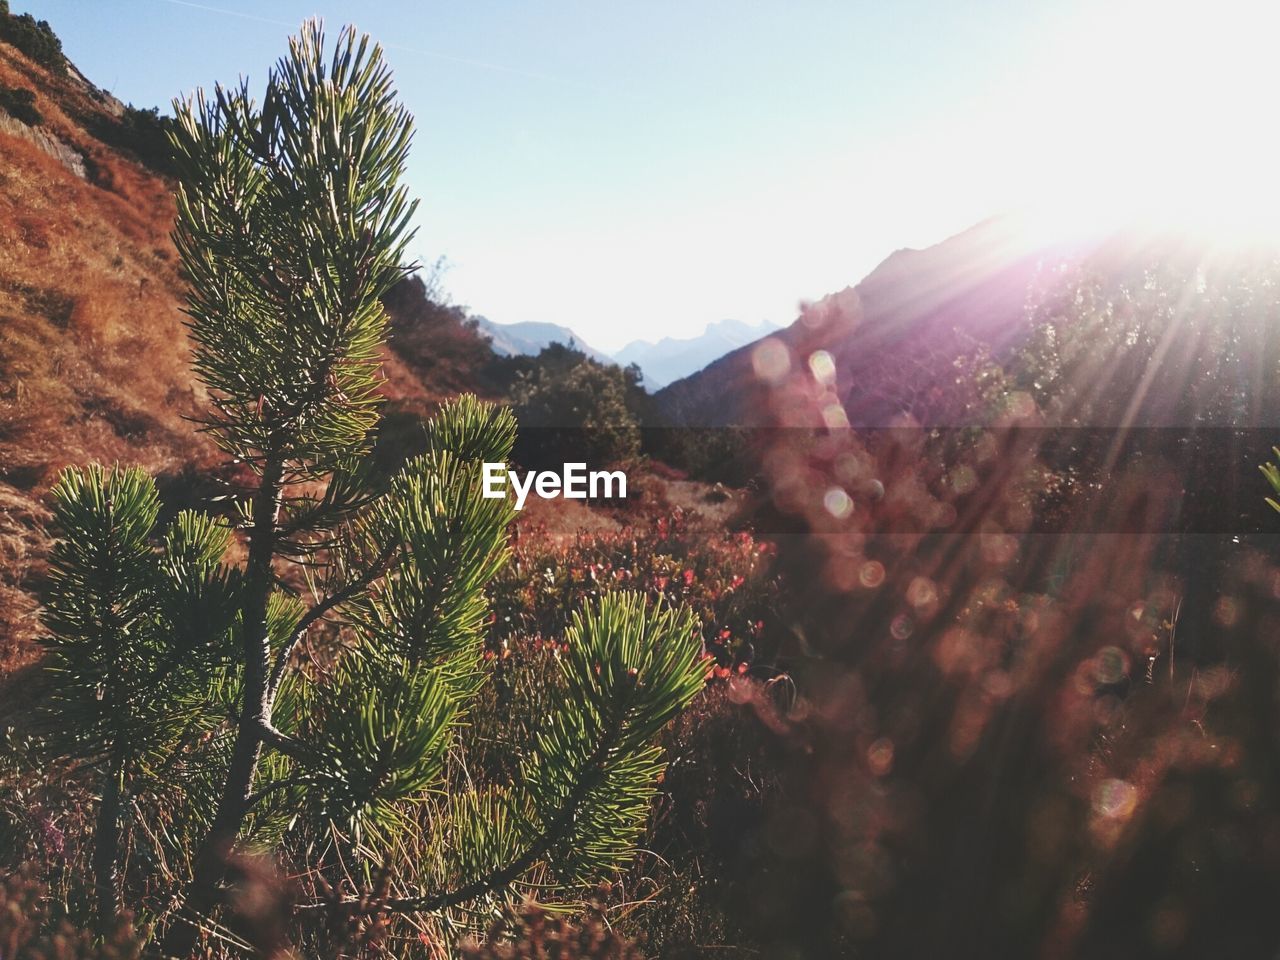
[
  {"x": 255, "y": 715},
  {"x": 106, "y": 846}
]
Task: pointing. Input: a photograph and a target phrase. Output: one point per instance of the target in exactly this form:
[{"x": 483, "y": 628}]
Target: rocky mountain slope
[{"x": 92, "y": 350}]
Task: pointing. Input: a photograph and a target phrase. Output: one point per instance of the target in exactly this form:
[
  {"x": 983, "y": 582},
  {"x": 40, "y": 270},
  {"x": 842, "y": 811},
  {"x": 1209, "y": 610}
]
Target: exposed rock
[{"x": 65, "y": 154}]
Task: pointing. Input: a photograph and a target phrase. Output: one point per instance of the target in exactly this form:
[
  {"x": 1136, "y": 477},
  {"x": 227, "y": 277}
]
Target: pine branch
[
  {"x": 276, "y": 786},
  {"x": 556, "y": 830},
  {"x": 281, "y": 742},
  {"x": 348, "y": 592}
]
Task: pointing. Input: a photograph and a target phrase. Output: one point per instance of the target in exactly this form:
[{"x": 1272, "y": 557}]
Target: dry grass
[
  {"x": 93, "y": 355},
  {"x": 21, "y": 555}
]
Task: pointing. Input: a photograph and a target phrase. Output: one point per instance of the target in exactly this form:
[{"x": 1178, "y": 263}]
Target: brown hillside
[{"x": 93, "y": 357}]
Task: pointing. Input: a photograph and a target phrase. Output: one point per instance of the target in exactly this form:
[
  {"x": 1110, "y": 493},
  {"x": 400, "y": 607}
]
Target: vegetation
[
  {"x": 24, "y": 927},
  {"x": 20, "y": 104},
  {"x": 175, "y": 674},
  {"x": 574, "y": 408},
  {"x": 1272, "y": 472},
  {"x": 146, "y": 133},
  {"x": 1028, "y": 641},
  {"x": 142, "y": 133},
  {"x": 33, "y": 37},
  {"x": 539, "y": 934},
  {"x": 436, "y": 339},
  {"x": 726, "y": 578},
  {"x": 94, "y": 361}
]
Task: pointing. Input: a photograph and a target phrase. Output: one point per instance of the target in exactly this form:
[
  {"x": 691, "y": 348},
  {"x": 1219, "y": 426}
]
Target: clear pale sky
[{"x": 638, "y": 169}]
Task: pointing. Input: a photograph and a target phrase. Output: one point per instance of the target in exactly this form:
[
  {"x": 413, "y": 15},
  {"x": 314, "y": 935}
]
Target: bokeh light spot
[
  {"x": 872, "y": 574},
  {"x": 771, "y": 360},
  {"x": 1115, "y": 799},
  {"x": 837, "y": 503},
  {"x": 823, "y": 367}
]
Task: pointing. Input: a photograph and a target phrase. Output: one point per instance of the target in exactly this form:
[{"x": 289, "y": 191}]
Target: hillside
[
  {"x": 895, "y": 330},
  {"x": 910, "y": 338},
  {"x": 92, "y": 352}
]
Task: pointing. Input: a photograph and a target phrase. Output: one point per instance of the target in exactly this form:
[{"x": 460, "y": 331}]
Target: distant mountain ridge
[
  {"x": 669, "y": 359},
  {"x": 672, "y": 358},
  {"x": 531, "y": 337}
]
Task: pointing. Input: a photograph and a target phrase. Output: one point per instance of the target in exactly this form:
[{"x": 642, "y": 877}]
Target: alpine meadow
[{"x": 478, "y": 512}]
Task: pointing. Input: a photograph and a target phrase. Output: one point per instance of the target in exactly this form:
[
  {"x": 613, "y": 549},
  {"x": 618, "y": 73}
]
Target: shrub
[
  {"x": 143, "y": 132},
  {"x": 20, "y": 104},
  {"x": 700, "y": 822},
  {"x": 25, "y": 919},
  {"x": 147, "y": 135},
  {"x": 573, "y": 408},
  {"x": 725, "y": 578},
  {"x": 532, "y": 933},
  {"x": 33, "y": 37}
]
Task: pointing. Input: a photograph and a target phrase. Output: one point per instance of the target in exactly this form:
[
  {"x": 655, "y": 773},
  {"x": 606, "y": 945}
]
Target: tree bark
[
  {"x": 106, "y": 846},
  {"x": 210, "y": 865}
]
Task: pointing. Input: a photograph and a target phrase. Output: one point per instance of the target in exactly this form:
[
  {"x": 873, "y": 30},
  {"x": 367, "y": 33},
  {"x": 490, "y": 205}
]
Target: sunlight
[{"x": 1159, "y": 114}]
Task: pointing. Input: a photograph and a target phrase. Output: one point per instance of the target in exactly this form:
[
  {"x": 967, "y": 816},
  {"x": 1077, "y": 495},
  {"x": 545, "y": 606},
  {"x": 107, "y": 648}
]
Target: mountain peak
[
  {"x": 530, "y": 337},
  {"x": 672, "y": 358},
  {"x": 970, "y": 285}
]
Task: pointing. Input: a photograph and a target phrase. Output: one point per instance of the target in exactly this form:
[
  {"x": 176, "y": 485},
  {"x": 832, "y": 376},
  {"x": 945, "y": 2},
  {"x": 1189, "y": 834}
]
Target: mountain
[
  {"x": 662, "y": 362},
  {"x": 892, "y": 338},
  {"x": 670, "y": 358},
  {"x": 530, "y": 337},
  {"x": 1133, "y": 326}
]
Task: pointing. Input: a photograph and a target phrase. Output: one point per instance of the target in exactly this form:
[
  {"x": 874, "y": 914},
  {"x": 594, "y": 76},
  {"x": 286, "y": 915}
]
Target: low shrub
[
  {"x": 26, "y": 929},
  {"x": 33, "y": 37},
  {"x": 533, "y": 932},
  {"x": 723, "y": 576},
  {"x": 147, "y": 134},
  {"x": 20, "y": 104}
]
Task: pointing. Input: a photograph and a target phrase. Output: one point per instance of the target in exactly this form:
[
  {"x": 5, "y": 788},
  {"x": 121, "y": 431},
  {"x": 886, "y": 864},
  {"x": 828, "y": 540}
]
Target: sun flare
[{"x": 1160, "y": 114}]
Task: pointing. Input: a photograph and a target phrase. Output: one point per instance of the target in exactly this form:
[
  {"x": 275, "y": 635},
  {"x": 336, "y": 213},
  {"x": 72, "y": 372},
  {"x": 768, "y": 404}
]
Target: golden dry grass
[{"x": 93, "y": 355}]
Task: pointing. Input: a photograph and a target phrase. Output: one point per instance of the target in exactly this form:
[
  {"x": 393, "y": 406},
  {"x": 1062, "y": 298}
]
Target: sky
[{"x": 640, "y": 169}]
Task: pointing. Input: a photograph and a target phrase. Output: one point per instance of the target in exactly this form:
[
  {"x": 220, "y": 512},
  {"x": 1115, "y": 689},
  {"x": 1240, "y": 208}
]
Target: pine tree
[{"x": 173, "y": 664}]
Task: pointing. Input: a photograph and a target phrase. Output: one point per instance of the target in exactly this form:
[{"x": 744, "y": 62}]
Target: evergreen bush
[{"x": 310, "y": 695}]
